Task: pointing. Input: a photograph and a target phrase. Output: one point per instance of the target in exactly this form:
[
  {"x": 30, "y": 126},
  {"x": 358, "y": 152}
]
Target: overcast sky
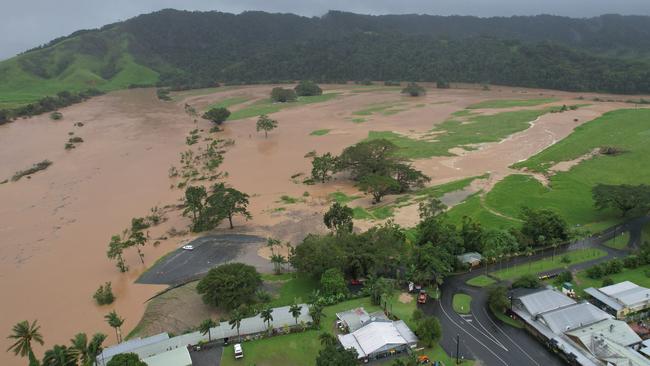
[{"x": 28, "y": 23}]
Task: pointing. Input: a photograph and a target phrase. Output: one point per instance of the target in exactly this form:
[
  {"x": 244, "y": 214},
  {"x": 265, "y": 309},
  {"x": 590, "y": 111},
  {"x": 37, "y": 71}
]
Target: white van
[{"x": 239, "y": 353}]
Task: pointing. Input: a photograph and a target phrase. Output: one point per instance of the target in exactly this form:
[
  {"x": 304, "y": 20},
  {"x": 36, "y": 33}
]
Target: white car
[
  {"x": 239, "y": 353},
  {"x": 188, "y": 247}
]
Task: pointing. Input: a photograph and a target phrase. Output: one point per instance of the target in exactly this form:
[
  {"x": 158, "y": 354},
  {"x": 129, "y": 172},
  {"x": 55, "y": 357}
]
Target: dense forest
[{"x": 190, "y": 49}]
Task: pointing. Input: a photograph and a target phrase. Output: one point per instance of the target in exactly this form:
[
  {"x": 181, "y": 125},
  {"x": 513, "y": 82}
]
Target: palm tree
[
  {"x": 295, "y": 311},
  {"x": 115, "y": 322},
  {"x": 278, "y": 260},
  {"x": 87, "y": 351},
  {"x": 327, "y": 339},
  {"x": 235, "y": 321},
  {"x": 316, "y": 313},
  {"x": 271, "y": 243},
  {"x": 205, "y": 327},
  {"x": 24, "y": 334},
  {"x": 60, "y": 356},
  {"x": 267, "y": 316}
]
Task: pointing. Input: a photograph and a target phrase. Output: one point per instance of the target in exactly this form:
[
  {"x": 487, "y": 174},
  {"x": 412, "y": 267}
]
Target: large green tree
[
  {"x": 543, "y": 227},
  {"x": 429, "y": 330},
  {"x": 323, "y": 167},
  {"x": 335, "y": 355},
  {"x": 205, "y": 327},
  {"x": 24, "y": 335},
  {"x": 339, "y": 218},
  {"x": 266, "y": 124},
  {"x": 282, "y": 95},
  {"x": 217, "y": 115},
  {"x": 228, "y": 202},
  {"x": 414, "y": 90},
  {"x": 332, "y": 283},
  {"x": 126, "y": 359},
  {"x": 229, "y": 285},
  {"x": 88, "y": 350},
  {"x": 307, "y": 88},
  {"x": 628, "y": 199},
  {"x": 377, "y": 186},
  {"x": 115, "y": 322},
  {"x": 60, "y": 356}
]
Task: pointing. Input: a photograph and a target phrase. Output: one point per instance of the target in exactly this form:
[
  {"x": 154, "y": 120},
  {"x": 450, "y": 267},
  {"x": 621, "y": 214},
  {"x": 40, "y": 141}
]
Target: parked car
[
  {"x": 239, "y": 352},
  {"x": 422, "y": 297},
  {"x": 188, "y": 247}
]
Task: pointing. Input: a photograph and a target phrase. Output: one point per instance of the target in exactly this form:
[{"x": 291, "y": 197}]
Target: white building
[{"x": 622, "y": 299}]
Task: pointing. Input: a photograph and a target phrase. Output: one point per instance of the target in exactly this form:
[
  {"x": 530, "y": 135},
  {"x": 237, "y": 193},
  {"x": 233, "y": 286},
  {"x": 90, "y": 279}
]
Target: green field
[
  {"x": 227, "y": 103},
  {"x": 481, "y": 281},
  {"x": 295, "y": 289},
  {"x": 461, "y": 303},
  {"x": 71, "y": 72},
  {"x": 342, "y": 198},
  {"x": 385, "y": 109},
  {"x": 493, "y": 104},
  {"x": 266, "y": 106},
  {"x": 619, "y": 241},
  {"x": 548, "y": 264},
  {"x": 454, "y": 133},
  {"x": 473, "y": 207},
  {"x": 569, "y": 193},
  {"x": 322, "y": 132},
  {"x": 636, "y": 275},
  {"x": 373, "y": 213}
]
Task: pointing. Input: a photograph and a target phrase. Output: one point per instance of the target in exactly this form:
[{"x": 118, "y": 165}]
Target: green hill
[{"x": 195, "y": 49}]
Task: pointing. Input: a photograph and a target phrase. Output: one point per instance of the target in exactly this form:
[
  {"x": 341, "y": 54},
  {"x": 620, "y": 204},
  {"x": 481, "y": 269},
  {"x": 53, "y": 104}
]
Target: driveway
[
  {"x": 207, "y": 356},
  {"x": 209, "y": 251}
]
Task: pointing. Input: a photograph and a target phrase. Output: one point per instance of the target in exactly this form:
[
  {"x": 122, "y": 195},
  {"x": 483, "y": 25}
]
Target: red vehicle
[{"x": 422, "y": 297}]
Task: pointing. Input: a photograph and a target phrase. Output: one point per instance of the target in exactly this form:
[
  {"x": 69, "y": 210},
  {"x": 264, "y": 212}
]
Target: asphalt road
[
  {"x": 209, "y": 251},
  {"x": 486, "y": 339}
]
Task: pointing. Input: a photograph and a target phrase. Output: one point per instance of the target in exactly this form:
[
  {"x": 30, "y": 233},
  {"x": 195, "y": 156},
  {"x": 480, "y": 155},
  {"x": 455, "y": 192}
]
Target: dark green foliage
[
  {"x": 605, "y": 269},
  {"x": 266, "y": 124},
  {"x": 307, "y": 88},
  {"x": 104, "y": 294},
  {"x": 126, "y": 359},
  {"x": 629, "y": 200},
  {"x": 379, "y": 289},
  {"x": 332, "y": 283},
  {"x": 442, "y": 84},
  {"x": 282, "y": 95},
  {"x": 42, "y": 165},
  {"x": 498, "y": 298},
  {"x": 414, "y": 90},
  {"x": 429, "y": 330},
  {"x": 335, "y": 355},
  {"x": 324, "y": 166},
  {"x": 378, "y": 186},
  {"x": 229, "y": 285},
  {"x": 339, "y": 218},
  {"x": 527, "y": 281},
  {"x": 563, "y": 277},
  {"x": 207, "y": 211},
  {"x": 163, "y": 94},
  {"x": 56, "y": 116},
  {"x": 75, "y": 140},
  {"x": 217, "y": 115},
  {"x": 607, "y": 281},
  {"x": 544, "y": 227}
]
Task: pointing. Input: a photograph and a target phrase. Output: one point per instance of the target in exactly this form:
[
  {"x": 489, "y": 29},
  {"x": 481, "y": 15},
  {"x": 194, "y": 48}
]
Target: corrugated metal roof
[
  {"x": 615, "y": 330},
  {"x": 281, "y": 317},
  {"x": 604, "y": 298},
  {"x": 348, "y": 341},
  {"x": 177, "y": 357},
  {"x": 378, "y": 336},
  {"x": 130, "y": 345},
  {"x": 544, "y": 301},
  {"x": 354, "y": 319},
  {"x": 572, "y": 317}
]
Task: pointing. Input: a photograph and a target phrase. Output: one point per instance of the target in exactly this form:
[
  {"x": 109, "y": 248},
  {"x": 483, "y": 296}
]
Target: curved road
[{"x": 486, "y": 339}]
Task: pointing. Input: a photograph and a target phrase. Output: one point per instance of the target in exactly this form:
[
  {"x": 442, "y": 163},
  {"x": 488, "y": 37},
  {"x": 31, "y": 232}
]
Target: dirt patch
[
  {"x": 405, "y": 298},
  {"x": 565, "y": 166}
]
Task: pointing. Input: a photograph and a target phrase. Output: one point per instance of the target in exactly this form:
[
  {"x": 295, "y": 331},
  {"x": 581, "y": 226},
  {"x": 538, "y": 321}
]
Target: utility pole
[{"x": 457, "y": 349}]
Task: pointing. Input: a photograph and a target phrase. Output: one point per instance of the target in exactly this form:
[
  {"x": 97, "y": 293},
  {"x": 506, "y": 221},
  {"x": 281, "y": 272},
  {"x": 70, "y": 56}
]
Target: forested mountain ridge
[{"x": 184, "y": 48}]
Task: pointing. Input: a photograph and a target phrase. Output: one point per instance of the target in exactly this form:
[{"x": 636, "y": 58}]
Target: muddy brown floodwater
[{"x": 55, "y": 225}]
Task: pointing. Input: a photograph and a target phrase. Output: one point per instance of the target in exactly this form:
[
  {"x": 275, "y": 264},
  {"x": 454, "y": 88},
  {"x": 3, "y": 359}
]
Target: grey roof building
[
  {"x": 621, "y": 299},
  {"x": 357, "y": 318},
  {"x": 582, "y": 332}
]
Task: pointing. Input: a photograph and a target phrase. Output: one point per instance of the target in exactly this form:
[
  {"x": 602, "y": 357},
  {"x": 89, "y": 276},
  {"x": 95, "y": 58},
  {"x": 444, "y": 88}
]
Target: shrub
[
  {"x": 595, "y": 272},
  {"x": 104, "y": 294},
  {"x": 163, "y": 94},
  {"x": 610, "y": 150},
  {"x": 217, "y": 115},
  {"x": 417, "y": 315},
  {"x": 414, "y": 90},
  {"x": 56, "y": 115},
  {"x": 565, "y": 259},
  {"x": 632, "y": 261},
  {"x": 69, "y": 146},
  {"x": 442, "y": 84},
  {"x": 35, "y": 168},
  {"x": 563, "y": 277},
  {"x": 263, "y": 296},
  {"x": 333, "y": 283},
  {"x": 307, "y": 88},
  {"x": 607, "y": 281},
  {"x": 282, "y": 95},
  {"x": 527, "y": 281},
  {"x": 612, "y": 267},
  {"x": 75, "y": 140}
]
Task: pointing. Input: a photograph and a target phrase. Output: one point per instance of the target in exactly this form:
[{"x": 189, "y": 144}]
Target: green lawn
[
  {"x": 322, "y": 132},
  {"x": 481, "y": 281},
  {"x": 636, "y": 275},
  {"x": 302, "y": 348},
  {"x": 454, "y": 133},
  {"x": 296, "y": 289},
  {"x": 373, "y": 213},
  {"x": 548, "y": 264},
  {"x": 506, "y": 319},
  {"x": 266, "y": 106},
  {"x": 342, "y": 198},
  {"x": 442, "y": 189},
  {"x": 472, "y": 207},
  {"x": 619, "y": 242},
  {"x": 461, "y": 303},
  {"x": 227, "y": 103},
  {"x": 511, "y": 103}
]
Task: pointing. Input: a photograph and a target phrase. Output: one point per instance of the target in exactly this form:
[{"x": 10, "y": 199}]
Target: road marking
[
  {"x": 469, "y": 334},
  {"x": 511, "y": 340},
  {"x": 489, "y": 335}
]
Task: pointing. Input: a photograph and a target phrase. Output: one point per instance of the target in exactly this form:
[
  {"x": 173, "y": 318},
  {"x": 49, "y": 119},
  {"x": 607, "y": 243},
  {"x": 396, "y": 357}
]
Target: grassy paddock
[
  {"x": 461, "y": 303},
  {"x": 481, "y": 281},
  {"x": 322, "y": 132},
  {"x": 548, "y": 264},
  {"x": 494, "y": 104},
  {"x": 227, "y": 103}
]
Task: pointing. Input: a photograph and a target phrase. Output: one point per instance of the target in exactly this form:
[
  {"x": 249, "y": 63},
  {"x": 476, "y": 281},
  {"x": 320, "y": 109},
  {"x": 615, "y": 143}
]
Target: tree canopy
[
  {"x": 628, "y": 199},
  {"x": 217, "y": 115},
  {"x": 307, "y": 88},
  {"x": 282, "y": 95},
  {"x": 414, "y": 90},
  {"x": 229, "y": 285},
  {"x": 264, "y": 123}
]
